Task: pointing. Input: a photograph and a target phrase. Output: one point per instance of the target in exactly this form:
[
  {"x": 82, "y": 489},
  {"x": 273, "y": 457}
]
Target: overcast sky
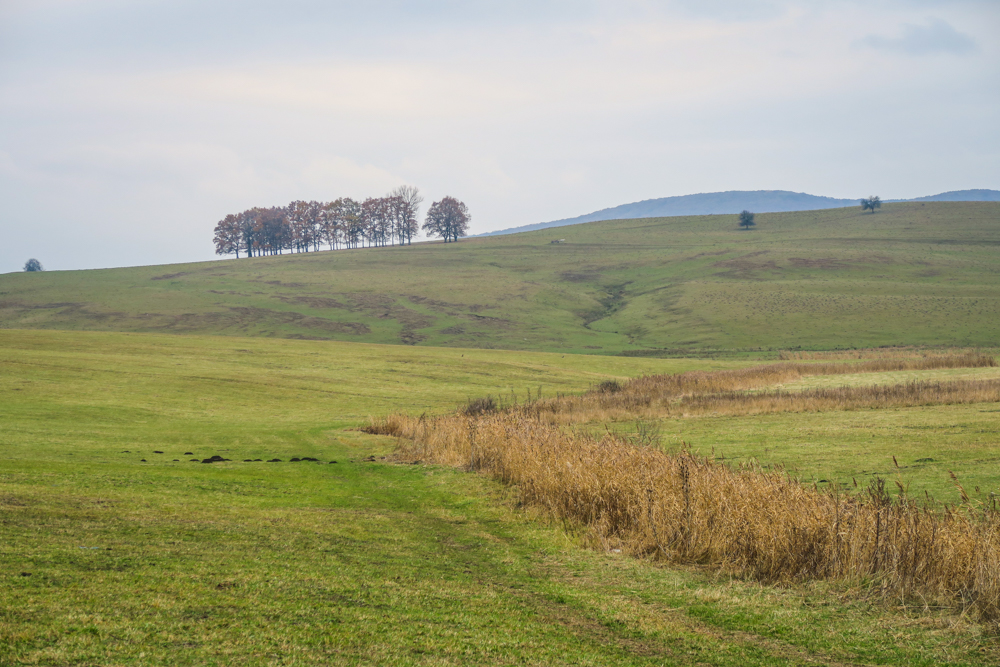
[{"x": 128, "y": 128}]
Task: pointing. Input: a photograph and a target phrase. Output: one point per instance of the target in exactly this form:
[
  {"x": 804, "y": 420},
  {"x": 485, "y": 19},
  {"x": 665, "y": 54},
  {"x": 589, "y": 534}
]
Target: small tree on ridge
[
  {"x": 746, "y": 220},
  {"x": 871, "y": 204}
]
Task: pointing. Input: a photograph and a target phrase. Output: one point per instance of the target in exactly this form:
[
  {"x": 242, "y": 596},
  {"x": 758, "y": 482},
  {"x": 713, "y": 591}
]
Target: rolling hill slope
[
  {"x": 914, "y": 273},
  {"x": 732, "y": 201}
]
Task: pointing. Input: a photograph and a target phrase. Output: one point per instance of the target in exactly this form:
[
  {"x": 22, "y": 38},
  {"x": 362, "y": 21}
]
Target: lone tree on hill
[
  {"x": 871, "y": 204},
  {"x": 448, "y": 218},
  {"x": 33, "y": 265},
  {"x": 746, "y": 220}
]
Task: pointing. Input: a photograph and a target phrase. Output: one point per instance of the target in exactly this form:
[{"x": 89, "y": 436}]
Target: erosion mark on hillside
[
  {"x": 744, "y": 267},
  {"x": 385, "y": 307},
  {"x": 611, "y": 302},
  {"x": 168, "y": 276},
  {"x": 266, "y": 315},
  {"x": 581, "y": 276},
  {"x": 452, "y": 308},
  {"x": 318, "y": 302},
  {"x": 828, "y": 263},
  {"x": 278, "y": 283},
  {"x": 14, "y": 304},
  {"x": 831, "y": 263}
]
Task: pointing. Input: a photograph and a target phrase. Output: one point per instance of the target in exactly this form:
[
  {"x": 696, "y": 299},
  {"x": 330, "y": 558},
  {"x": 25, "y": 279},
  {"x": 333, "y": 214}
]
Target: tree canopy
[
  {"x": 33, "y": 265},
  {"x": 448, "y": 218},
  {"x": 746, "y": 219},
  {"x": 303, "y": 226},
  {"x": 871, "y": 204}
]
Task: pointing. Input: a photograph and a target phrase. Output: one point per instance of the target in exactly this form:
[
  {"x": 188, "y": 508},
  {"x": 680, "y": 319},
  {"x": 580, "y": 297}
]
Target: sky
[{"x": 129, "y": 128}]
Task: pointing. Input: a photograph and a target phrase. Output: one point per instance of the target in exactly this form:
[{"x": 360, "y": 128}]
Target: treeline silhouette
[{"x": 305, "y": 226}]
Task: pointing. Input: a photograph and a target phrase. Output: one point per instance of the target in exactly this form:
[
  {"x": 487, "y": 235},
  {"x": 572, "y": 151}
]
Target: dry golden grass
[
  {"x": 682, "y": 508},
  {"x": 839, "y": 398},
  {"x": 669, "y": 395},
  {"x": 868, "y": 353},
  {"x": 748, "y": 521}
]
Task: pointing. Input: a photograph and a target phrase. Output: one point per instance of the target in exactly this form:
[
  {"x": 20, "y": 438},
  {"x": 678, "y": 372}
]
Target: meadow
[
  {"x": 121, "y": 545},
  {"x": 112, "y": 559},
  {"x": 912, "y": 274}
]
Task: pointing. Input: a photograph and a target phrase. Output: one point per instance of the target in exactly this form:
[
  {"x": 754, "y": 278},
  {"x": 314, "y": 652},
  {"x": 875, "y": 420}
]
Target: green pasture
[
  {"x": 911, "y": 274},
  {"x": 929, "y": 442},
  {"x": 106, "y": 559}
]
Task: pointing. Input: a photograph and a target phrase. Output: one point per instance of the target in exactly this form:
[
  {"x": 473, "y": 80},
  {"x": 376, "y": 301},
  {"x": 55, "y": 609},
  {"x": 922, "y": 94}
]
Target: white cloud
[
  {"x": 936, "y": 36},
  {"x": 158, "y": 118}
]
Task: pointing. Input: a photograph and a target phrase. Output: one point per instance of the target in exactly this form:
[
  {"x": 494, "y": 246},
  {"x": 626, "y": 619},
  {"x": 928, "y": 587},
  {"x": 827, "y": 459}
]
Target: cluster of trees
[{"x": 345, "y": 223}]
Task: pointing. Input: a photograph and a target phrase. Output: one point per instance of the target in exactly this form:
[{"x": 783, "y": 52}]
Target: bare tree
[
  {"x": 408, "y": 212},
  {"x": 304, "y": 220},
  {"x": 352, "y": 221},
  {"x": 448, "y": 218},
  {"x": 331, "y": 225}
]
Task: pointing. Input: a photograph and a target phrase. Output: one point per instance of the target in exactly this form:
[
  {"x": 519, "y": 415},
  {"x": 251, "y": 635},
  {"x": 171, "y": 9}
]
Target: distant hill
[
  {"x": 962, "y": 195},
  {"x": 732, "y": 201},
  {"x": 917, "y": 273}
]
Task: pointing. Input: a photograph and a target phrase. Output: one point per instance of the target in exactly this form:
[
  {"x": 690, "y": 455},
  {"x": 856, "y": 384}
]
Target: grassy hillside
[
  {"x": 914, "y": 273},
  {"x": 114, "y": 553}
]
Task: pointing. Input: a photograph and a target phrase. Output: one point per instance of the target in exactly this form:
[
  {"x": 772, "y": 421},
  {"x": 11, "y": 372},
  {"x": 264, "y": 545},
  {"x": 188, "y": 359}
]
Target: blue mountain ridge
[{"x": 730, "y": 202}]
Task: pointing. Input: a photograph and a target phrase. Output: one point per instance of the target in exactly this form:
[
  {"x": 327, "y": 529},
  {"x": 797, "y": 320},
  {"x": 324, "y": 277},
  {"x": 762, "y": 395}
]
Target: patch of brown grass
[
  {"x": 658, "y": 395},
  {"x": 753, "y": 522},
  {"x": 867, "y": 353},
  {"x": 840, "y": 398}
]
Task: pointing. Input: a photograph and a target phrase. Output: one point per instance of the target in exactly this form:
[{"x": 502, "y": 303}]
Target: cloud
[
  {"x": 127, "y": 129},
  {"x": 918, "y": 40},
  {"x": 732, "y": 10}
]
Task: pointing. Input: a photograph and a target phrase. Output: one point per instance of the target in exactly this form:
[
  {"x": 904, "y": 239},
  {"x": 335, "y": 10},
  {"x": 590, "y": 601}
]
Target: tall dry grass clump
[
  {"x": 656, "y": 395},
  {"x": 868, "y": 353},
  {"x": 839, "y": 398},
  {"x": 688, "y": 509}
]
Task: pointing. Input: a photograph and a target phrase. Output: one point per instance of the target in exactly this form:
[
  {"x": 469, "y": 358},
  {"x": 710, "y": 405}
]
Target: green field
[
  {"x": 108, "y": 559},
  {"x": 920, "y": 274},
  {"x": 117, "y": 548}
]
